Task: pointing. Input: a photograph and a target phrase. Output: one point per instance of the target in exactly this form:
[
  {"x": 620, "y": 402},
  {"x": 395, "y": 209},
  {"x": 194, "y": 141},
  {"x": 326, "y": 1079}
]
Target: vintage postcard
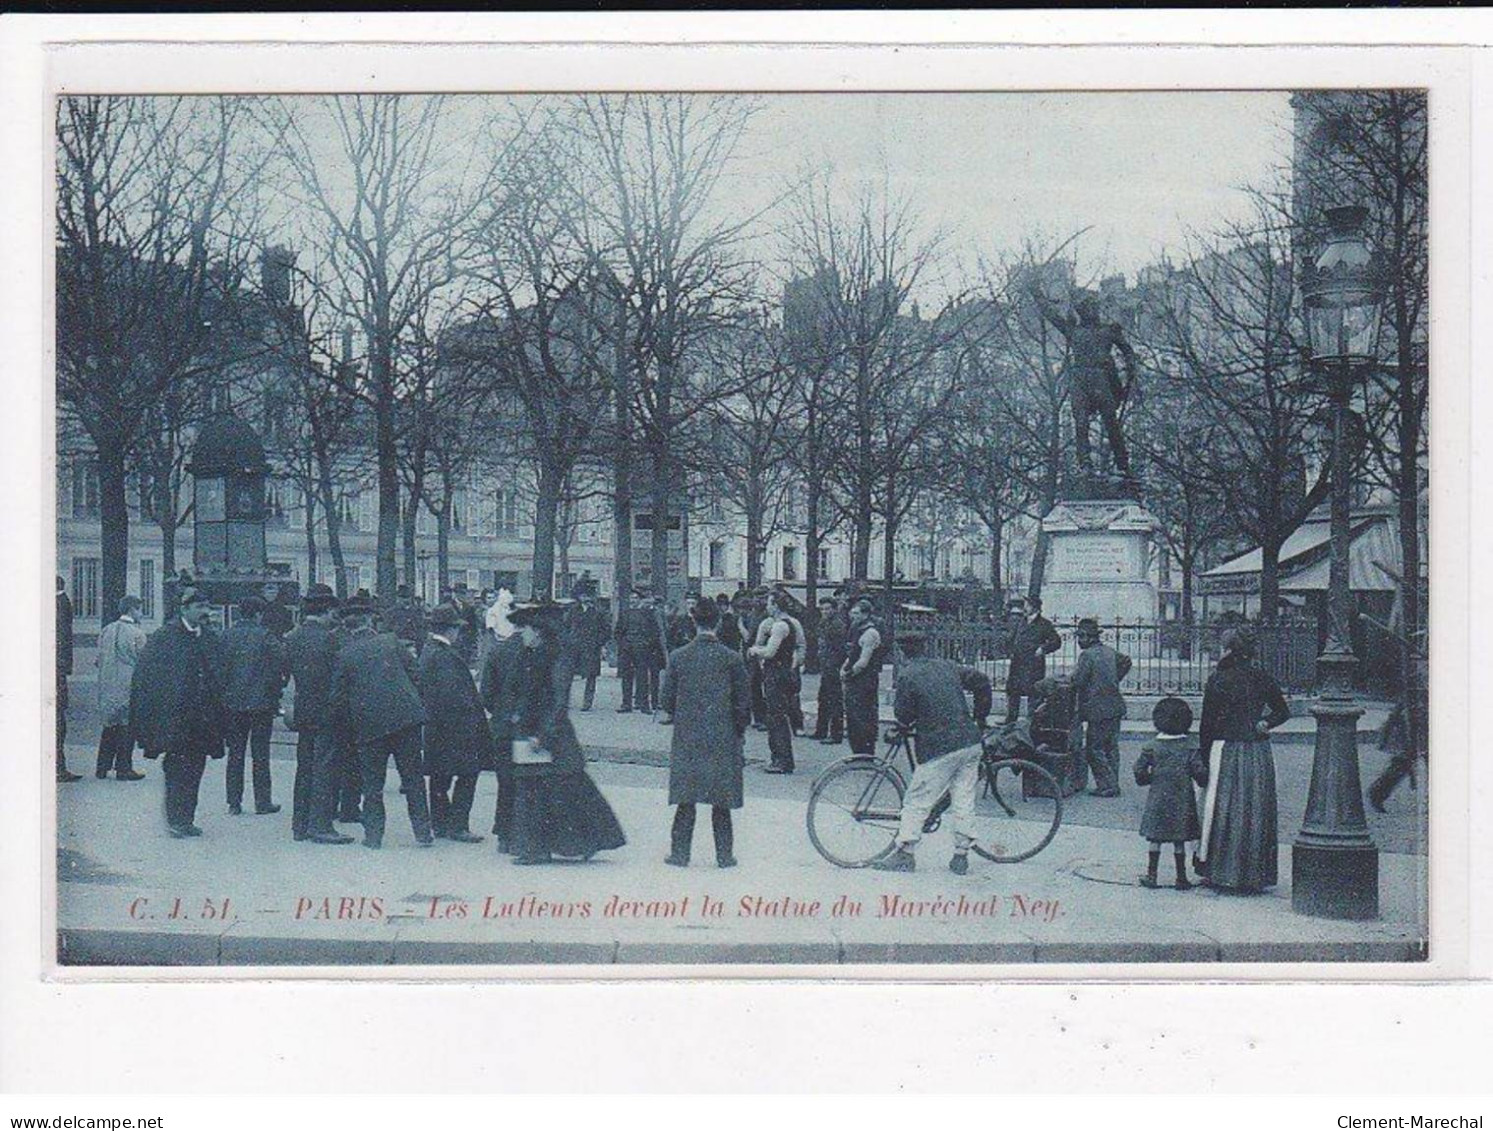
[{"x": 855, "y": 532}]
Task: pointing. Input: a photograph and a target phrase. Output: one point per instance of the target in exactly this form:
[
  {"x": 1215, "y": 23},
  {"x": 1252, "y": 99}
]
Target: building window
[
  {"x": 85, "y": 587},
  {"x": 347, "y": 510},
  {"x": 351, "y": 576},
  {"x": 85, "y": 488},
  {"x": 508, "y": 512},
  {"x": 147, "y": 588},
  {"x": 790, "y": 563},
  {"x": 458, "y": 511},
  {"x": 275, "y": 507},
  {"x": 365, "y": 578},
  {"x": 823, "y": 571},
  {"x": 717, "y": 558}
]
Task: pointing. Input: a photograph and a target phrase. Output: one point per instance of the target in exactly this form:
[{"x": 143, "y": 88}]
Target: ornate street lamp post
[{"x": 1334, "y": 863}]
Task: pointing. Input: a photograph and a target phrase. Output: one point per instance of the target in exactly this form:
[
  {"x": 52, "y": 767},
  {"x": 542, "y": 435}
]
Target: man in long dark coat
[
  {"x": 376, "y": 705},
  {"x": 1031, "y": 644},
  {"x": 310, "y": 655},
  {"x": 705, "y": 690},
  {"x": 176, "y": 706},
  {"x": 501, "y": 690},
  {"x": 253, "y": 677},
  {"x": 458, "y": 745},
  {"x": 64, "y": 669},
  {"x": 586, "y": 635},
  {"x": 834, "y": 627}
]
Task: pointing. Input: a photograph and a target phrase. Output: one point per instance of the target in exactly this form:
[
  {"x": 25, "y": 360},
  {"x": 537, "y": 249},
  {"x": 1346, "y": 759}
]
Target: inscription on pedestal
[{"x": 1097, "y": 557}]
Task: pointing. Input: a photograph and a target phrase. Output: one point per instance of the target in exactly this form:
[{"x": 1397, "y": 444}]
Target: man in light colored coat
[{"x": 119, "y": 648}]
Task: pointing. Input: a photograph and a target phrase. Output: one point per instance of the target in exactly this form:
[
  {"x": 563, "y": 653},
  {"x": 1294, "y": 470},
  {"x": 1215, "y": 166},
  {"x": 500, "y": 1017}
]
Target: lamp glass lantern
[{"x": 1343, "y": 294}]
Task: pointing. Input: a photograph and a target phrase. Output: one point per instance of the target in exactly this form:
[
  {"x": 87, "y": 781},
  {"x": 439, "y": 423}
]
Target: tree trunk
[
  {"x": 388, "y": 505},
  {"x": 1269, "y": 580},
  {"x": 1048, "y": 501},
  {"x": 659, "y": 500},
  {"x": 443, "y": 546},
  {"x": 811, "y": 548},
  {"x": 622, "y": 468},
  {"x": 997, "y": 533},
  {"x": 546, "y": 505},
  {"x": 310, "y": 499},
  {"x": 408, "y": 523},
  {"x": 334, "y": 524},
  {"x": 753, "y": 539},
  {"x": 114, "y": 529}
]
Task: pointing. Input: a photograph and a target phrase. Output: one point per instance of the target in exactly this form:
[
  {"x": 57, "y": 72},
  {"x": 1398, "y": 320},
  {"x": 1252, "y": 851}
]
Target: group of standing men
[{"x": 355, "y": 692}]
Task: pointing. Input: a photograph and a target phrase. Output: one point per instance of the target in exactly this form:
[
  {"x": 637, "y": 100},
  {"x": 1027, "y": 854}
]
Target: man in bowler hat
[
  {"x": 458, "y": 745},
  {"x": 311, "y": 654},
  {"x": 1099, "y": 706},
  {"x": 376, "y": 705},
  {"x": 176, "y": 706}
]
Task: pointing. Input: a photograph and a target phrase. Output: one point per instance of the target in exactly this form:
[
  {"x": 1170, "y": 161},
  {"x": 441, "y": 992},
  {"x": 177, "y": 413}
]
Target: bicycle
[{"x": 856, "y": 804}]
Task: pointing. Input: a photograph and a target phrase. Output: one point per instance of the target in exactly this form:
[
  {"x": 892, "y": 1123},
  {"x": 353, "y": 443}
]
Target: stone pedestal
[{"x": 1099, "y": 562}]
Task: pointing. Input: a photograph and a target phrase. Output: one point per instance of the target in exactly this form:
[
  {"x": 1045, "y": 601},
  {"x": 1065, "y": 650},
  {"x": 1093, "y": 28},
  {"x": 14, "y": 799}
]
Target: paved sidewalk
[{"x": 245, "y": 894}]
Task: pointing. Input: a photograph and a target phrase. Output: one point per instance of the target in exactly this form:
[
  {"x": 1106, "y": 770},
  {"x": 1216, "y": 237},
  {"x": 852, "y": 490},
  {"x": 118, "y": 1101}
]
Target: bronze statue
[{"x": 1094, "y": 385}]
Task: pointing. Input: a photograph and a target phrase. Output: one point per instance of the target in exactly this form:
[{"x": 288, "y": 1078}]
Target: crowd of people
[{"x": 469, "y": 687}]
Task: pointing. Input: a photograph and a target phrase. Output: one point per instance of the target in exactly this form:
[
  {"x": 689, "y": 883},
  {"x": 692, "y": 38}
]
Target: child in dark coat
[{"x": 1169, "y": 764}]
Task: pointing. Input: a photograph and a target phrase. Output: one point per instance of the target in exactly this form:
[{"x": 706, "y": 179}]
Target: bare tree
[
  {"x": 752, "y": 431},
  {"x": 658, "y": 160},
  {"x": 152, "y": 242},
  {"x": 1234, "y": 326},
  {"x": 542, "y": 326},
  {"x": 899, "y": 371},
  {"x": 1372, "y": 149},
  {"x": 391, "y": 191}
]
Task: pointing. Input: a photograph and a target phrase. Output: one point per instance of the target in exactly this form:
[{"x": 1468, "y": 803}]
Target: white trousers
[{"x": 958, "y": 773}]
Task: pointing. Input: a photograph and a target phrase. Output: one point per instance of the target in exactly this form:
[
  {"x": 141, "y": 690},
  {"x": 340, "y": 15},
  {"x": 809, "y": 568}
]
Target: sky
[
  {"x": 994, "y": 170},
  {"x": 990, "y": 172}
]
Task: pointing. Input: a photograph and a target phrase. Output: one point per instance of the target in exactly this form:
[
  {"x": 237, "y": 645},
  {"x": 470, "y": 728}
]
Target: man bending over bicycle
[{"x": 930, "y": 697}]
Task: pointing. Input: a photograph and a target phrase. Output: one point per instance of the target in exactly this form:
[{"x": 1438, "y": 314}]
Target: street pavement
[{"x": 131, "y": 895}]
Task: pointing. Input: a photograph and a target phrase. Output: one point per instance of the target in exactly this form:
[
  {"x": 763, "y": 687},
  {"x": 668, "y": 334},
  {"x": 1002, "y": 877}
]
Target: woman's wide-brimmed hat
[
  {"x": 319, "y": 599},
  {"x": 360, "y": 604},
  {"x": 445, "y": 616},
  {"x": 536, "y": 613}
]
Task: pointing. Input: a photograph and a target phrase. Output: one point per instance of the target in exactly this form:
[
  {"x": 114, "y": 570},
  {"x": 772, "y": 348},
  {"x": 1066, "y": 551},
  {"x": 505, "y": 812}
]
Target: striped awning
[{"x": 1305, "y": 558}]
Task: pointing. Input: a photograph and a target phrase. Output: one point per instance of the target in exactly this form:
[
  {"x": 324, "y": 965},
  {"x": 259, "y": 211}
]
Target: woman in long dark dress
[
  {"x": 557, "y": 809},
  {"x": 1241, "y": 704}
]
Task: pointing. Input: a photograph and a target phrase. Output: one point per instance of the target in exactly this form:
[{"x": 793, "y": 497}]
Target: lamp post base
[{"x": 1334, "y": 882}]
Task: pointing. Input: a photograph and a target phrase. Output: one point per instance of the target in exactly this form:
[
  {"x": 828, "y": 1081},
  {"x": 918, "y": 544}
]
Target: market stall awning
[{"x": 1305, "y": 558}]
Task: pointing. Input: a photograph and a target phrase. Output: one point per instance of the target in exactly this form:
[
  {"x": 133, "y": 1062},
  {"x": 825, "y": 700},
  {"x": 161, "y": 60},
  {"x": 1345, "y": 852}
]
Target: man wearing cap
[
  {"x": 119, "y": 648},
  {"x": 310, "y": 655},
  {"x": 829, "y": 726},
  {"x": 253, "y": 677},
  {"x": 176, "y": 706},
  {"x": 1099, "y": 706},
  {"x": 376, "y": 705},
  {"x": 458, "y": 745},
  {"x": 1034, "y": 640},
  {"x": 860, "y": 674},
  {"x": 930, "y": 698}
]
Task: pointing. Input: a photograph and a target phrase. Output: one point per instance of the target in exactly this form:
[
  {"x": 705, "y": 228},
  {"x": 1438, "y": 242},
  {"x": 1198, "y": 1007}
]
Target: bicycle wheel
[
  {"x": 1018, "y": 808},
  {"x": 853, "y": 812}
]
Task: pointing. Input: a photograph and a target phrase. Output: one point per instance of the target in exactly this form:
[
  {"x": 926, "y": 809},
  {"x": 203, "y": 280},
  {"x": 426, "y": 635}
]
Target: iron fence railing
[{"x": 1168, "y": 658}]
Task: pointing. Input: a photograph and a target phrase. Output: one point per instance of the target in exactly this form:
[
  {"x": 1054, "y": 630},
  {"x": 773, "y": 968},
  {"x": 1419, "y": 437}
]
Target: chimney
[{"x": 275, "y": 268}]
